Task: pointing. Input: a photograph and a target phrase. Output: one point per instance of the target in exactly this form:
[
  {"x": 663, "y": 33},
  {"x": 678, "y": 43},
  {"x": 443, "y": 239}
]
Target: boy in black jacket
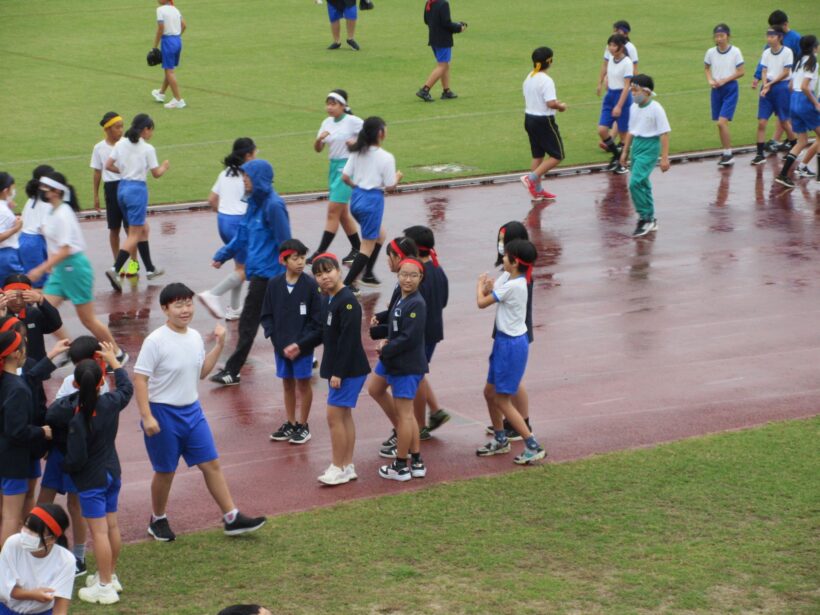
[
  {"x": 441, "y": 30},
  {"x": 290, "y": 318}
]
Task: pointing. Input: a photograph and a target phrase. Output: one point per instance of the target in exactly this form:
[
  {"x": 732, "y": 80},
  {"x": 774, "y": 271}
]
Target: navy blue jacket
[
  {"x": 344, "y": 356},
  {"x": 19, "y": 436},
  {"x": 404, "y": 353},
  {"x": 379, "y": 332},
  {"x": 34, "y": 374},
  {"x": 293, "y": 317},
  {"x": 440, "y": 25},
  {"x": 40, "y": 319},
  {"x": 264, "y": 226},
  {"x": 435, "y": 288}
]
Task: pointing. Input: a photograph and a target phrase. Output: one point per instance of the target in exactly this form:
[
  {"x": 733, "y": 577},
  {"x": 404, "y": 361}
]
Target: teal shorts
[
  {"x": 339, "y": 191},
  {"x": 72, "y": 279}
]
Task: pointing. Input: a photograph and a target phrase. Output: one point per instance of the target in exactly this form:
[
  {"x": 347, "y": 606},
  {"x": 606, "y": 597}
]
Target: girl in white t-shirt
[
  {"x": 617, "y": 100},
  {"x": 10, "y": 226},
  {"x": 228, "y": 199},
  {"x": 33, "y": 249},
  {"x": 338, "y": 131}
]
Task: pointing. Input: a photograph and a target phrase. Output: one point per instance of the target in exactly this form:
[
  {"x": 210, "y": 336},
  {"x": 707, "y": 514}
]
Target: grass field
[
  {"x": 720, "y": 524},
  {"x": 259, "y": 68}
]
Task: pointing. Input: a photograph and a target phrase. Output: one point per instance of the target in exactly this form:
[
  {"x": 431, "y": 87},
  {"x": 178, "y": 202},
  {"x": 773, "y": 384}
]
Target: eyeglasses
[{"x": 404, "y": 275}]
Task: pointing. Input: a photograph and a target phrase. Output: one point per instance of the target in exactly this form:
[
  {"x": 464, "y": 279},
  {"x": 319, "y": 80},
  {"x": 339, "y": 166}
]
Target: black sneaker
[
  {"x": 771, "y": 145},
  {"x": 448, "y": 95},
  {"x": 424, "y": 433},
  {"x": 391, "y": 441},
  {"x": 368, "y": 279},
  {"x": 395, "y": 472},
  {"x": 642, "y": 228},
  {"x": 348, "y": 260},
  {"x": 620, "y": 169},
  {"x": 783, "y": 180},
  {"x": 243, "y": 525},
  {"x": 614, "y": 163},
  {"x": 334, "y": 46},
  {"x": 353, "y": 44},
  {"x": 225, "y": 378},
  {"x": 784, "y": 147},
  {"x": 424, "y": 95},
  {"x": 437, "y": 419},
  {"x": 79, "y": 567},
  {"x": 161, "y": 530},
  {"x": 388, "y": 452},
  {"x": 284, "y": 433},
  {"x": 355, "y": 290},
  {"x": 300, "y": 435},
  {"x": 726, "y": 160},
  {"x": 759, "y": 159},
  {"x": 490, "y": 431},
  {"x": 513, "y": 435}
]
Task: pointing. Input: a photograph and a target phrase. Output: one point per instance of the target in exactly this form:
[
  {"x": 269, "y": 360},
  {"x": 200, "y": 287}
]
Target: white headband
[
  {"x": 337, "y": 97},
  {"x": 57, "y": 186}
]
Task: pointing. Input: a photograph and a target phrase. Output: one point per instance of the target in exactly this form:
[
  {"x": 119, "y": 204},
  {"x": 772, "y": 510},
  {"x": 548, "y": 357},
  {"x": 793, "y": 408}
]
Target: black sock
[
  {"x": 359, "y": 263},
  {"x": 355, "y": 242},
  {"x": 372, "y": 261},
  {"x": 400, "y": 463},
  {"x": 416, "y": 457},
  {"x": 327, "y": 239},
  {"x": 120, "y": 261},
  {"x": 760, "y": 147},
  {"x": 145, "y": 255},
  {"x": 610, "y": 146},
  {"x": 787, "y": 164}
]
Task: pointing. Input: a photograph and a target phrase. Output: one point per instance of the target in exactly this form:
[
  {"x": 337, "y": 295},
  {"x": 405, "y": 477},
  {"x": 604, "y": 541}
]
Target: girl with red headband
[
  {"x": 32, "y": 308},
  {"x": 36, "y": 570},
  {"x": 508, "y": 360},
  {"x": 10, "y": 225}
]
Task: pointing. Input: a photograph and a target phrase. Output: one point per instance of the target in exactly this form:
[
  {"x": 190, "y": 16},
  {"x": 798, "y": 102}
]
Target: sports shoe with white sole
[
  {"x": 161, "y": 530},
  {"x": 211, "y": 303},
  {"x": 158, "y": 271},
  {"x": 99, "y": 594},
  {"x": 394, "y": 472},
  {"x": 175, "y": 104},
  {"x": 225, "y": 378},
  {"x": 95, "y": 578},
  {"x": 530, "y": 456},
  {"x": 284, "y": 433},
  {"x": 243, "y": 525},
  {"x": 350, "y": 470},
  {"x": 334, "y": 475},
  {"x": 232, "y": 314},
  {"x": 300, "y": 435},
  {"x": 493, "y": 447},
  {"x": 418, "y": 469},
  {"x": 158, "y": 96},
  {"x": 114, "y": 279}
]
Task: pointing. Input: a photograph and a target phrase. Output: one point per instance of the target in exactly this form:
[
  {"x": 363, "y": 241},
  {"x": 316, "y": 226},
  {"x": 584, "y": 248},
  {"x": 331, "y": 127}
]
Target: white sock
[
  {"x": 727, "y": 152},
  {"x": 230, "y": 516},
  {"x": 158, "y": 517}
]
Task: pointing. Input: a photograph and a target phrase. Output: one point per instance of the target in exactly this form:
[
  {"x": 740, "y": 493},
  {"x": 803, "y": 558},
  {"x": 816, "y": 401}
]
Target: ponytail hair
[
  {"x": 140, "y": 122},
  {"x": 241, "y": 148},
  {"x": 87, "y": 375},
  {"x": 369, "y": 134},
  {"x": 71, "y": 197},
  {"x": 808, "y": 61},
  {"x": 33, "y": 185}
]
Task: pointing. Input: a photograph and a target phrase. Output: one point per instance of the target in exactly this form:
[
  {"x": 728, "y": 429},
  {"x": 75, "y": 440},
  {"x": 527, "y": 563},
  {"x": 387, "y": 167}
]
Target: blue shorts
[
  {"x": 724, "y": 101},
  {"x": 184, "y": 431},
  {"x": 610, "y": 100},
  {"x": 335, "y": 14},
  {"x": 508, "y": 362},
  {"x": 805, "y": 118},
  {"x": 16, "y": 486},
  {"x": 33, "y": 253},
  {"x": 346, "y": 395},
  {"x": 133, "y": 199},
  {"x": 10, "y": 262},
  {"x": 301, "y": 368},
  {"x": 429, "y": 349},
  {"x": 404, "y": 386},
  {"x": 53, "y": 476},
  {"x": 776, "y": 101},
  {"x": 171, "y": 47},
  {"x": 367, "y": 207},
  {"x": 4, "y": 610},
  {"x": 443, "y": 54},
  {"x": 228, "y": 226},
  {"x": 96, "y": 503}
]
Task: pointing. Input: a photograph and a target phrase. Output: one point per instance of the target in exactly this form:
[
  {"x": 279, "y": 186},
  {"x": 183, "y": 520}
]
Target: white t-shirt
[
  {"x": 134, "y": 160},
  {"x": 648, "y": 121},
  {"x": 61, "y": 228},
  {"x": 539, "y": 89},
  {"x": 511, "y": 312},
  {"x": 617, "y": 71},
  {"x": 99, "y": 156},
  {"x": 776, "y": 63},
  {"x": 7, "y": 221},
  {"x": 34, "y": 216},
  {"x": 341, "y": 132},
  {"x": 800, "y": 74},
  {"x": 375, "y": 168},
  {"x": 172, "y": 361},
  {"x": 21, "y": 568},
  {"x": 723, "y": 63},
  {"x": 170, "y": 18},
  {"x": 231, "y": 189},
  {"x": 67, "y": 387},
  {"x": 631, "y": 52}
]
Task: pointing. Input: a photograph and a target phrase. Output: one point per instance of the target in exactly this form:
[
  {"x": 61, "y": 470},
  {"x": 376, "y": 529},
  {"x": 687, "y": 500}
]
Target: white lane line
[{"x": 602, "y": 401}]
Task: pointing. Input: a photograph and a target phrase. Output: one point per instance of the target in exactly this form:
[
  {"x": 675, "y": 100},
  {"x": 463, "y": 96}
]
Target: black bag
[
  {"x": 154, "y": 57},
  {"x": 365, "y": 5}
]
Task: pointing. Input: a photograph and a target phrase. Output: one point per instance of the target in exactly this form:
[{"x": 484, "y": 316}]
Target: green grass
[
  {"x": 259, "y": 68},
  {"x": 720, "y": 524}
]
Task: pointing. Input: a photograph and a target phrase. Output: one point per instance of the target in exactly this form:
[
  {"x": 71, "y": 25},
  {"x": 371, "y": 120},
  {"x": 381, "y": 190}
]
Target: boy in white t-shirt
[
  {"x": 171, "y": 362},
  {"x": 724, "y": 66},
  {"x": 170, "y": 26}
]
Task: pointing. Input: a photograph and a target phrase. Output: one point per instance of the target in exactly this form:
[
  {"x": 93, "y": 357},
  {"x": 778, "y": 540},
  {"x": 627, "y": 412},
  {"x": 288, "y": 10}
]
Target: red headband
[
  {"x": 10, "y": 322},
  {"x": 395, "y": 245},
  {"x": 529, "y": 269},
  {"x": 412, "y": 261},
  {"x": 431, "y": 253},
  {"x": 284, "y": 254},
  {"x": 46, "y": 518},
  {"x": 17, "y": 286},
  {"x": 329, "y": 255}
]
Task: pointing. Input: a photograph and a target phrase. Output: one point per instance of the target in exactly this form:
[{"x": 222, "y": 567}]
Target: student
[
  {"x": 435, "y": 290},
  {"x": 402, "y": 365},
  {"x": 777, "y": 62},
  {"x": 804, "y": 106},
  {"x": 170, "y": 26},
  {"x": 132, "y": 158},
  {"x": 336, "y": 10},
  {"x": 91, "y": 461},
  {"x": 648, "y": 137},
  {"x": 291, "y": 319},
  {"x": 228, "y": 199},
  {"x": 338, "y": 131},
  {"x": 10, "y": 225},
  {"x": 617, "y": 101},
  {"x": 36, "y": 570},
  {"x": 370, "y": 171},
  {"x": 33, "y": 250},
  {"x": 344, "y": 365},
  {"x": 508, "y": 359},
  {"x": 540, "y": 105},
  {"x": 440, "y": 39},
  {"x": 171, "y": 362},
  {"x": 71, "y": 277},
  {"x": 724, "y": 66},
  {"x": 33, "y": 309},
  {"x": 265, "y": 226}
]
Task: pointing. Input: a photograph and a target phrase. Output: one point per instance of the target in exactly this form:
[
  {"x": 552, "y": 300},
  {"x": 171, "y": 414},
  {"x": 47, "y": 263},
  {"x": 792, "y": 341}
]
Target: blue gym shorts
[
  {"x": 300, "y": 368},
  {"x": 334, "y": 14},
  {"x": 724, "y": 101},
  {"x": 805, "y": 118},
  {"x": 171, "y": 47},
  {"x": 346, "y": 395},
  {"x": 96, "y": 503},
  {"x": 776, "y": 101},
  {"x": 33, "y": 252},
  {"x": 184, "y": 432},
  {"x": 10, "y": 262},
  {"x": 228, "y": 226},
  {"x": 443, "y": 54},
  {"x": 16, "y": 486},
  {"x": 133, "y": 199},
  {"x": 53, "y": 477},
  {"x": 610, "y": 100},
  {"x": 367, "y": 207},
  {"x": 508, "y": 362},
  {"x": 404, "y": 386}
]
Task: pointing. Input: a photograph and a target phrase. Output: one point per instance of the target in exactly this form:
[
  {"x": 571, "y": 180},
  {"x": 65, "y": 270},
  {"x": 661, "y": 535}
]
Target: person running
[
  {"x": 724, "y": 66},
  {"x": 617, "y": 100},
  {"x": 440, "y": 29},
  {"x": 170, "y": 27},
  {"x": 33, "y": 249}
]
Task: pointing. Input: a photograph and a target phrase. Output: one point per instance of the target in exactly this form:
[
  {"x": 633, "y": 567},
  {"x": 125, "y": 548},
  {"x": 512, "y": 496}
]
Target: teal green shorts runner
[
  {"x": 339, "y": 191},
  {"x": 72, "y": 279}
]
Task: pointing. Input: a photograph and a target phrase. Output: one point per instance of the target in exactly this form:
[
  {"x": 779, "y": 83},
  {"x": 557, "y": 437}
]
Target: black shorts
[
  {"x": 113, "y": 213},
  {"x": 544, "y": 136}
]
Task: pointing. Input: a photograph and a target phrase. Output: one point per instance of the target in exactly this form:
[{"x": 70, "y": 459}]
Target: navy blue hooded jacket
[
  {"x": 404, "y": 353},
  {"x": 264, "y": 226}
]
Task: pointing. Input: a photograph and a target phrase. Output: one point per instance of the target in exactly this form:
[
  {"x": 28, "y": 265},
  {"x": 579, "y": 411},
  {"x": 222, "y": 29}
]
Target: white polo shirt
[
  {"x": 61, "y": 228},
  {"x": 7, "y": 221},
  {"x": 134, "y": 160},
  {"x": 723, "y": 64},
  {"x": 374, "y": 168},
  {"x": 776, "y": 63},
  {"x": 539, "y": 89},
  {"x": 99, "y": 156},
  {"x": 172, "y": 361},
  {"x": 617, "y": 71},
  {"x": 629, "y": 48},
  {"x": 649, "y": 121},
  {"x": 231, "y": 189},
  {"x": 347, "y": 128},
  {"x": 511, "y": 311},
  {"x": 171, "y": 20}
]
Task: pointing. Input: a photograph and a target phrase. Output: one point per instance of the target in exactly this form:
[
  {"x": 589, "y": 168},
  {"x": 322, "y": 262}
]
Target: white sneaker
[
  {"x": 158, "y": 96},
  {"x": 334, "y": 475},
  {"x": 350, "y": 471},
  {"x": 99, "y": 594},
  {"x": 95, "y": 578},
  {"x": 212, "y": 303},
  {"x": 232, "y": 314},
  {"x": 176, "y": 104}
]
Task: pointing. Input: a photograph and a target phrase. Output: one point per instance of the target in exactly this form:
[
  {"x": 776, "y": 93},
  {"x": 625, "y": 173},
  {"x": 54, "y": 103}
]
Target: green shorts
[
  {"x": 339, "y": 191},
  {"x": 72, "y": 279}
]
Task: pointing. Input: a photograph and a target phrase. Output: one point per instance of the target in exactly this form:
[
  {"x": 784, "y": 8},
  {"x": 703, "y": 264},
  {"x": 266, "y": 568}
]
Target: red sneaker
[
  {"x": 525, "y": 179},
  {"x": 543, "y": 194}
]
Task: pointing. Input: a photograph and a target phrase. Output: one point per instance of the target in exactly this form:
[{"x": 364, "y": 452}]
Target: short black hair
[
  {"x": 6, "y": 180},
  {"x": 778, "y": 29},
  {"x": 17, "y": 278},
  {"x": 643, "y": 81},
  {"x": 83, "y": 347},
  {"x": 293, "y": 244},
  {"x": 722, "y": 27},
  {"x": 324, "y": 264},
  {"x": 174, "y": 292},
  {"x": 778, "y": 18},
  {"x": 241, "y": 609},
  {"x": 422, "y": 235},
  {"x": 510, "y": 231},
  {"x": 540, "y": 56},
  {"x": 623, "y": 25},
  {"x": 108, "y": 117},
  {"x": 618, "y": 39}
]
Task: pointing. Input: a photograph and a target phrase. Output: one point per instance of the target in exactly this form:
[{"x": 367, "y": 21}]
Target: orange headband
[
  {"x": 412, "y": 261},
  {"x": 395, "y": 245},
  {"x": 11, "y": 322},
  {"x": 46, "y": 518},
  {"x": 283, "y": 255},
  {"x": 529, "y": 269},
  {"x": 17, "y": 286}
]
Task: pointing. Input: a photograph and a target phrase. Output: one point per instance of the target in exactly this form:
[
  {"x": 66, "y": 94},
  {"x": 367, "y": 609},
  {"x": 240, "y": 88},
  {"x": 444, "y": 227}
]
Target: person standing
[
  {"x": 170, "y": 26},
  {"x": 440, "y": 39}
]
